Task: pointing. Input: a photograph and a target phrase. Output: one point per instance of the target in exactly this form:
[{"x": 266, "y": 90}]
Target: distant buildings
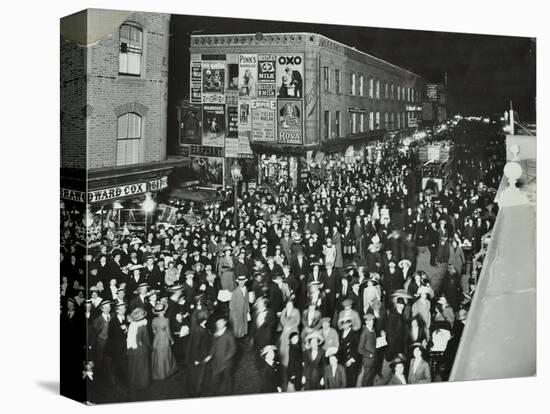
[{"x": 434, "y": 103}]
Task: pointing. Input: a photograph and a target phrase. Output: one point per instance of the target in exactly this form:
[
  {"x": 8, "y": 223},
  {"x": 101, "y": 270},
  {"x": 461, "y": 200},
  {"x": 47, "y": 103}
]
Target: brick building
[
  {"x": 114, "y": 87},
  {"x": 280, "y": 102}
]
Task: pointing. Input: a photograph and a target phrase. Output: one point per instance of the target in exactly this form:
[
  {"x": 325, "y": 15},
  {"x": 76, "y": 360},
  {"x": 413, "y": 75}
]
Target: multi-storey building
[{"x": 282, "y": 101}]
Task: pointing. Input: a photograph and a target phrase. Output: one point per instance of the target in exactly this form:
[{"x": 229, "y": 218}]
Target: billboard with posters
[
  {"x": 190, "y": 125},
  {"x": 213, "y": 125},
  {"x": 289, "y": 121},
  {"x": 232, "y": 122},
  {"x": 248, "y": 75},
  {"x": 290, "y": 75},
  {"x": 196, "y": 82},
  {"x": 213, "y": 82},
  {"x": 208, "y": 171},
  {"x": 264, "y": 120}
]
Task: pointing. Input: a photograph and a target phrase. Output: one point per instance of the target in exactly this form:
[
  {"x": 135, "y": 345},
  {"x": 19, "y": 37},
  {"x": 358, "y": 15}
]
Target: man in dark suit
[
  {"x": 367, "y": 350},
  {"x": 197, "y": 352},
  {"x": 117, "y": 333},
  {"x": 329, "y": 279},
  {"x": 348, "y": 354},
  {"x": 221, "y": 357},
  {"x": 140, "y": 301},
  {"x": 101, "y": 330}
]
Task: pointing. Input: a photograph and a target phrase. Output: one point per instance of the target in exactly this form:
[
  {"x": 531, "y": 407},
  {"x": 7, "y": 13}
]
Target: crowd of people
[{"x": 321, "y": 286}]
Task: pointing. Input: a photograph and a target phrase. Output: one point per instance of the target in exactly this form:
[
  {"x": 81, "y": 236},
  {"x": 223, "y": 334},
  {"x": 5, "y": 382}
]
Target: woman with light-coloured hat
[
  {"x": 422, "y": 306},
  {"x": 313, "y": 362},
  {"x": 163, "y": 361},
  {"x": 138, "y": 347},
  {"x": 443, "y": 312}
]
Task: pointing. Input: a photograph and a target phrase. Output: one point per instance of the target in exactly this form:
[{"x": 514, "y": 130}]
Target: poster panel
[
  {"x": 213, "y": 125},
  {"x": 244, "y": 116},
  {"x": 244, "y": 146},
  {"x": 248, "y": 75},
  {"x": 213, "y": 82},
  {"x": 263, "y": 120},
  {"x": 290, "y": 75},
  {"x": 190, "y": 125},
  {"x": 232, "y": 122},
  {"x": 208, "y": 171},
  {"x": 267, "y": 90},
  {"x": 289, "y": 121},
  {"x": 231, "y": 147},
  {"x": 196, "y": 82},
  {"x": 266, "y": 68},
  {"x": 233, "y": 76}
]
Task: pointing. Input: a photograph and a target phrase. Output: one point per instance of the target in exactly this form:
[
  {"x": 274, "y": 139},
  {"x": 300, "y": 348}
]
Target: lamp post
[
  {"x": 148, "y": 207},
  {"x": 236, "y": 176}
]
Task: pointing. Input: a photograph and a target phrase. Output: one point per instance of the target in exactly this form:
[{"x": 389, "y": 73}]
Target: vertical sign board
[
  {"x": 195, "y": 87},
  {"x": 213, "y": 82},
  {"x": 263, "y": 120},
  {"x": 213, "y": 124},
  {"x": 290, "y": 75},
  {"x": 244, "y": 116},
  {"x": 248, "y": 75},
  {"x": 289, "y": 121},
  {"x": 232, "y": 122},
  {"x": 267, "y": 87}
]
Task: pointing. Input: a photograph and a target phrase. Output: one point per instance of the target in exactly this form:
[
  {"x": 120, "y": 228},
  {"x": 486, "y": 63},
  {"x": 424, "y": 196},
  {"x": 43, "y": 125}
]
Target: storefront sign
[
  {"x": 232, "y": 122},
  {"x": 213, "y": 125},
  {"x": 157, "y": 185},
  {"x": 205, "y": 151},
  {"x": 213, "y": 82},
  {"x": 414, "y": 108},
  {"x": 266, "y": 68},
  {"x": 290, "y": 70},
  {"x": 289, "y": 124},
  {"x": 248, "y": 75},
  {"x": 73, "y": 195},
  {"x": 263, "y": 120}
]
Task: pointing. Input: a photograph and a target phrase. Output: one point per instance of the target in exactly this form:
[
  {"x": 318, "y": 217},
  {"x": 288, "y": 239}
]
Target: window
[
  {"x": 377, "y": 121},
  {"x": 353, "y": 123},
  {"x": 408, "y": 94},
  {"x": 337, "y": 78},
  {"x": 386, "y": 90},
  {"x": 352, "y": 80},
  {"x": 326, "y": 78},
  {"x": 371, "y": 121},
  {"x": 377, "y": 89},
  {"x": 130, "y": 50},
  {"x": 392, "y": 120},
  {"x": 128, "y": 149},
  {"x": 392, "y": 94},
  {"x": 371, "y": 88},
  {"x": 386, "y": 121},
  {"x": 338, "y": 123},
  {"x": 327, "y": 124},
  {"x": 398, "y": 122},
  {"x": 362, "y": 122},
  {"x": 361, "y": 90}
]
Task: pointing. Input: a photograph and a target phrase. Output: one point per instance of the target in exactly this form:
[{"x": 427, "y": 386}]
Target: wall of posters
[
  {"x": 248, "y": 75},
  {"x": 232, "y": 122},
  {"x": 290, "y": 75},
  {"x": 263, "y": 120},
  {"x": 213, "y": 82},
  {"x": 190, "y": 125},
  {"x": 289, "y": 121},
  {"x": 213, "y": 125},
  {"x": 208, "y": 171},
  {"x": 196, "y": 82}
]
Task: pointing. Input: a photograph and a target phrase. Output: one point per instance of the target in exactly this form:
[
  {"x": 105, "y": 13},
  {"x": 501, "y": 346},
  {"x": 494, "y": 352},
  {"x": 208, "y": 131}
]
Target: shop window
[
  {"x": 338, "y": 123},
  {"x": 130, "y": 50},
  {"x": 326, "y": 78},
  {"x": 337, "y": 80},
  {"x": 128, "y": 139}
]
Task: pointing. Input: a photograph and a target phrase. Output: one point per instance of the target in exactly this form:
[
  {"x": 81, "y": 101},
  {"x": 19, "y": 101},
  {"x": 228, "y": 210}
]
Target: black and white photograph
[{"x": 269, "y": 204}]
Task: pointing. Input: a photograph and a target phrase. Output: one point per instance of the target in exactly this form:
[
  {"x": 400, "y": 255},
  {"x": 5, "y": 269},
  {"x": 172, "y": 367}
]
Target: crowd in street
[{"x": 322, "y": 286}]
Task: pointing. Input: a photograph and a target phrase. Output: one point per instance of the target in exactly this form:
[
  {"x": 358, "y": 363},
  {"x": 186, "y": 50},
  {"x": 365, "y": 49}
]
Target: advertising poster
[
  {"x": 213, "y": 125},
  {"x": 232, "y": 97},
  {"x": 248, "y": 75},
  {"x": 208, "y": 171},
  {"x": 213, "y": 82},
  {"x": 290, "y": 75},
  {"x": 232, "y": 122},
  {"x": 231, "y": 147},
  {"x": 244, "y": 116},
  {"x": 263, "y": 120},
  {"x": 190, "y": 125},
  {"x": 266, "y": 68},
  {"x": 233, "y": 76},
  {"x": 267, "y": 90},
  {"x": 244, "y": 146},
  {"x": 196, "y": 83},
  {"x": 289, "y": 121}
]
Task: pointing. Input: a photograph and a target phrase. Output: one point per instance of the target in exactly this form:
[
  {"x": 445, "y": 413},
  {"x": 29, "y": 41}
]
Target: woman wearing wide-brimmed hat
[
  {"x": 419, "y": 369},
  {"x": 313, "y": 362},
  {"x": 398, "y": 368},
  {"x": 138, "y": 345},
  {"x": 163, "y": 361},
  {"x": 422, "y": 306}
]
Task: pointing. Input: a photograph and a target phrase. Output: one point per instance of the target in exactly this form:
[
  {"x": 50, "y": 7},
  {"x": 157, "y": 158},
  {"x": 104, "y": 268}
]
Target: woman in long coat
[
  {"x": 314, "y": 361},
  {"x": 138, "y": 345},
  {"x": 290, "y": 319},
  {"x": 337, "y": 242},
  {"x": 226, "y": 266},
  {"x": 163, "y": 361},
  {"x": 456, "y": 257},
  {"x": 239, "y": 308}
]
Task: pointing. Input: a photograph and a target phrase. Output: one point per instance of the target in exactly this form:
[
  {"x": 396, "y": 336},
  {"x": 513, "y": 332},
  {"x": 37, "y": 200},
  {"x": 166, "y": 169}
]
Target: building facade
[
  {"x": 279, "y": 103},
  {"x": 114, "y": 87}
]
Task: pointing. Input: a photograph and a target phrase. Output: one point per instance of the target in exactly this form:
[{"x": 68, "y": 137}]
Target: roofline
[{"x": 316, "y": 34}]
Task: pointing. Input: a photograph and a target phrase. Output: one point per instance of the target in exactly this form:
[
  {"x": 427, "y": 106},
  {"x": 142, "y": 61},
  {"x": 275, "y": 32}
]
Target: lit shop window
[
  {"x": 337, "y": 79},
  {"x": 128, "y": 149},
  {"x": 326, "y": 78},
  {"x": 131, "y": 50},
  {"x": 352, "y": 80}
]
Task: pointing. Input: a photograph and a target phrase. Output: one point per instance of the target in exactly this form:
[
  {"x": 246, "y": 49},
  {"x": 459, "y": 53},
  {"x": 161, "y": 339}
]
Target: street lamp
[
  {"x": 148, "y": 207},
  {"x": 236, "y": 175}
]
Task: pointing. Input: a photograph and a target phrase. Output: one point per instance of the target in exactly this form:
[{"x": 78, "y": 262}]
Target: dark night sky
[{"x": 484, "y": 72}]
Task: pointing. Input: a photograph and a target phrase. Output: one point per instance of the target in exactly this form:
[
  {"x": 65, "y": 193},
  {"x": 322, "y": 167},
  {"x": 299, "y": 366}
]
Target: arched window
[
  {"x": 131, "y": 50},
  {"x": 128, "y": 149}
]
